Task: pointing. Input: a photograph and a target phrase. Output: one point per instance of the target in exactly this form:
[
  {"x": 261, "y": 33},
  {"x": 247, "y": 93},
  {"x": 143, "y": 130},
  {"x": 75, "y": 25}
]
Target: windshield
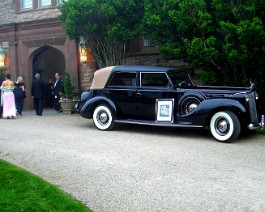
[{"x": 179, "y": 77}]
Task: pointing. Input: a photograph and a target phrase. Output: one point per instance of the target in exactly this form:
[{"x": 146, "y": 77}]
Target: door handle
[{"x": 139, "y": 94}]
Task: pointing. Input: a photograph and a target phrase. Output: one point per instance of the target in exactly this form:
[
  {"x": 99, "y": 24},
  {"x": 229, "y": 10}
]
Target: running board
[{"x": 157, "y": 123}]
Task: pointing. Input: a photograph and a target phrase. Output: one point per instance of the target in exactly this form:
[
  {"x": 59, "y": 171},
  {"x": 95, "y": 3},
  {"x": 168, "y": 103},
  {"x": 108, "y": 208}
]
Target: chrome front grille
[{"x": 252, "y": 107}]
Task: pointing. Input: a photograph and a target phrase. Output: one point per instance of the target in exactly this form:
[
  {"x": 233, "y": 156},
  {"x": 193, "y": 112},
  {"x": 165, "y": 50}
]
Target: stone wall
[
  {"x": 37, "y": 15},
  {"x": 87, "y": 74},
  {"x": 10, "y": 14},
  {"x": 7, "y": 11}
]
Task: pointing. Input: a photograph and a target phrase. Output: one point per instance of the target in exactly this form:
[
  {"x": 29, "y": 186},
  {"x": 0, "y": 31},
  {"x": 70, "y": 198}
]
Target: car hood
[{"x": 222, "y": 91}]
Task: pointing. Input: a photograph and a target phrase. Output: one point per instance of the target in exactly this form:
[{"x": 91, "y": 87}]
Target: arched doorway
[{"x": 47, "y": 61}]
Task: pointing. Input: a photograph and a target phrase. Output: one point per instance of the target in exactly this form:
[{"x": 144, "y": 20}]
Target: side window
[
  {"x": 60, "y": 1},
  {"x": 26, "y": 4},
  {"x": 123, "y": 79},
  {"x": 154, "y": 79},
  {"x": 45, "y": 3},
  {"x": 148, "y": 42}
]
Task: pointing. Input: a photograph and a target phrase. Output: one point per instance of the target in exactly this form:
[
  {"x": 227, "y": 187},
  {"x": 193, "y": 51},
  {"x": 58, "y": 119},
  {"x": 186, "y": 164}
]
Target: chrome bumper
[{"x": 260, "y": 125}]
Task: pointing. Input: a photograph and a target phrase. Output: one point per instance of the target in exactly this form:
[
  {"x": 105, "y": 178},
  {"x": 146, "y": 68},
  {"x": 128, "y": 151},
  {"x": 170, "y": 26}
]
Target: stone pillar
[{"x": 87, "y": 74}]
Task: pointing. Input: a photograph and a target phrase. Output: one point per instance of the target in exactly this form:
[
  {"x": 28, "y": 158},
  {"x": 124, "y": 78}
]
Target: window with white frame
[
  {"x": 26, "y": 4},
  {"x": 60, "y": 1},
  {"x": 45, "y": 3},
  {"x": 148, "y": 42}
]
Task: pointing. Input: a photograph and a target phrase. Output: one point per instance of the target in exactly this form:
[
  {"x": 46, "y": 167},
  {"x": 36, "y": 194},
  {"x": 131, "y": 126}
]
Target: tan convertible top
[{"x": 100, "y": 77}]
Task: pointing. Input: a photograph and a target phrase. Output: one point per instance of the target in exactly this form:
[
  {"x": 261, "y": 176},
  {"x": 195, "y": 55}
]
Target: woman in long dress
[
  {"x": 8, "y": 99},
  {"x": 19, "y": 92}
]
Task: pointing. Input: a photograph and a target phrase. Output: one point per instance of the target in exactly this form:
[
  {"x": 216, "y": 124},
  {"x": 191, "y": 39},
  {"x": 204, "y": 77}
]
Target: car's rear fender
[{"x": 89, "y": 106}]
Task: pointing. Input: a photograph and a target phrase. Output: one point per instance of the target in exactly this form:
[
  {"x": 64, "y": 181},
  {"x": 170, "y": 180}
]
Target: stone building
[{"x": 34, "y": 41}]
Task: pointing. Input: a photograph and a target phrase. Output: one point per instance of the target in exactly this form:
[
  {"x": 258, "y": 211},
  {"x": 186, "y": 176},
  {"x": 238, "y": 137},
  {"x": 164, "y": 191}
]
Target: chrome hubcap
[
  {"x": 103, "y": 117},
  {"x": 222, "y": 126}
]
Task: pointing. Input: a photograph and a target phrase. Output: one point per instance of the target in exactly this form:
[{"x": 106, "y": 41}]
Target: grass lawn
[
  {"x": 23, "y": 191},
  {"x": 261, "y": 132}
]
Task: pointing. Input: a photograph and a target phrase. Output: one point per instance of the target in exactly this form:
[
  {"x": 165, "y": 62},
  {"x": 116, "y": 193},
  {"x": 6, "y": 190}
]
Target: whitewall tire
[
  {"x": 103, "y": 118},
  {"x": 225, "y": 126}
]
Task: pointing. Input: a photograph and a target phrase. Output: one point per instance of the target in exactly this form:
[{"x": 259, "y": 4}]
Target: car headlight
[
  {"x": 257, "y": 96},
  {"x": 247, "y": 98}
]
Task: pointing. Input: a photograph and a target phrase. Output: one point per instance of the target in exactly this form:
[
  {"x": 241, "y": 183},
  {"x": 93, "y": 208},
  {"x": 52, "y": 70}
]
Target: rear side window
[
  {"x": 154, "y": 79},
  {"x": 123, "y": 79}
]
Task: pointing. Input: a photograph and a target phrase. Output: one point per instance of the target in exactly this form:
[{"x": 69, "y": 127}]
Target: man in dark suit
[
  {"x": 57, "y": 90},
  {"x": 37, "y": 93}
]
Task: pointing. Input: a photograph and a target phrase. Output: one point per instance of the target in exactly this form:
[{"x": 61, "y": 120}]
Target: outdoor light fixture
[
  {"x": 83, "y": 51},
  {"x": 2, "y": 57},
  {"x": 83, "y": 55}
]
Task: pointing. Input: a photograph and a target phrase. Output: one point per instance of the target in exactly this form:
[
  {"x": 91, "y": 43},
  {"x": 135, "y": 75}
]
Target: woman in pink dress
[{"x": 7, "y": 98}]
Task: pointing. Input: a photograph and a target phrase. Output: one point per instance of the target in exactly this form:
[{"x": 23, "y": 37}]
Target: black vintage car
[{"x": 163, "y": 96}]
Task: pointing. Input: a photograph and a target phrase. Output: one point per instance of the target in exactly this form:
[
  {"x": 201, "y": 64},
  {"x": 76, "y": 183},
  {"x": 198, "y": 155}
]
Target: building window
[
  {"x": 45, "y": 3},
  {"x": 26, "y": 4},
  {"x": 148, "y": 42},
  {"x": 60, "y": 1}
]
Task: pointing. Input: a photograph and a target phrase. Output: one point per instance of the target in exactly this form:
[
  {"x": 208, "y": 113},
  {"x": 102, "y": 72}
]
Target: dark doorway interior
[{"x": 48, "y": 61}]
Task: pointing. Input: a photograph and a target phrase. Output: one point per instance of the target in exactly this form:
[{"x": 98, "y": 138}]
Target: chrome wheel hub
[
  {"x": 103, "y": 117},
  {"x": 222, "y": 126}
]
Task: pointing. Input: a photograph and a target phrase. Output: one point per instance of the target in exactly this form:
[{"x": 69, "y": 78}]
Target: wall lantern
[
  {"x": 82, "y": 51},
  {"x": 85, "y": 52},
  {"x": 2, "y": 57},
  {"x": 83, "y": 55}
]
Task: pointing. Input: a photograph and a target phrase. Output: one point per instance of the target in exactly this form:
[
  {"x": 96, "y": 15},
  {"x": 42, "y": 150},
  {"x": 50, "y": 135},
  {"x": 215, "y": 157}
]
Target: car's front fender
[
  {"x": 209, "y": 106},
  {"x": 88, "y": 107}
]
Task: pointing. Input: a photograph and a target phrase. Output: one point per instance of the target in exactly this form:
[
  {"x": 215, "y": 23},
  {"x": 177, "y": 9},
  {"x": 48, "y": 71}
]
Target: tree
[
  {"x": 105, "y": 25},
  {"x": 225, "y": 39},
  {"x": 68, "y": 87}
]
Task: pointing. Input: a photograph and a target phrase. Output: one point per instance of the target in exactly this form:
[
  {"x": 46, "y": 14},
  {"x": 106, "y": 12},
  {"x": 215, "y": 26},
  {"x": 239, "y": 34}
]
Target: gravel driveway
[{"x": 137, "y": 168}]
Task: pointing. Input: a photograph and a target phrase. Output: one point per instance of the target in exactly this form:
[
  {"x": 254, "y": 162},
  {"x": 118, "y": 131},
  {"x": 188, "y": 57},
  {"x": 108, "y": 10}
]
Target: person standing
[
  {"x": 49, "y": 94},
  {"x": 7, "y": 98},
  {"x": 57, "y": 90},
  {"x": 37, "y": 93},
  {"x": 20, "y": 94}
]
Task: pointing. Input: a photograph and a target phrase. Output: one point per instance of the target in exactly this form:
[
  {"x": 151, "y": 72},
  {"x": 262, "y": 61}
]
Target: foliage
[
  {"x": 207, "y": 77},
  {"x": 22, "y": 191},
  {"x": 105, "y": 25},
  {"x": 2, "y": 75},
  {"x": 225, "y": 37},
  {"x": 68, "y": 87}
]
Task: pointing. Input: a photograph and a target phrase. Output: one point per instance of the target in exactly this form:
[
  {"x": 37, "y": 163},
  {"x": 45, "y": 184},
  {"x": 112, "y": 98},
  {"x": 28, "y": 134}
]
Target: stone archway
[{"x": 47, "y": 61}]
